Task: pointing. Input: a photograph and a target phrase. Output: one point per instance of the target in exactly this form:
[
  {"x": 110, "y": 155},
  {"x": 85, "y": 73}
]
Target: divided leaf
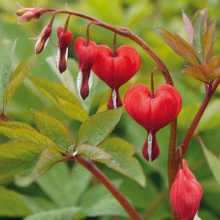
[
  {"x": 61, "y": 97},
  {"x": 47, "y": 159},
  {"x": 52, "y": 128},
  {"x": 188, "y": 28},
  {"x": 122, "y": 159},
  {"x": 6, "y": 58},
  {"x": 18, "y": 76},
  {"x": 97, "y": 127},
  {"x": 179, "y": 45},
  {"x": 26, "y": 134}
]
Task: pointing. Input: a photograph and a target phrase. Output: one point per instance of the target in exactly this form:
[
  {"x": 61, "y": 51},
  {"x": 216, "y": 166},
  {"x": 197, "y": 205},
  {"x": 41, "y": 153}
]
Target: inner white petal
[
  {"x": 79, "y": 81},
  {"x": 114, "y": 99},
  {"x": 149, "y": 149},
  {"x": 66, "y": 55},
  {"x": 196, "y": 217},
  {"x": 58, "y": 57},
  {"x": 90, "y": 80}
]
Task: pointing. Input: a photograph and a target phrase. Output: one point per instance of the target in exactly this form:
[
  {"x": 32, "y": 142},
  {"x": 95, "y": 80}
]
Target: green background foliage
[{"x": 66, "y": 194}]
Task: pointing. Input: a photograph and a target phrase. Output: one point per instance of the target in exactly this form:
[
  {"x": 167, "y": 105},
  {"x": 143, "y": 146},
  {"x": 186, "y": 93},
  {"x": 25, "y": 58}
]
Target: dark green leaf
[
  {"x": 97, "y": 127},
  {"x": 122, "y": 159},
  {"x": 11, "y": 204},
  {"x": 18, "y": 76},
  {"x": 52, "y": 128},
  {"x": 180, "y": 46},
  {"x": 61, "y": 97},
  {"x": 47, "y": 159},
  {"x": 200, "y": 26},
  {"x": 6, "y": 59},
  {"x": 26, "y": 134},
  {"x": 58, "y": 214}
]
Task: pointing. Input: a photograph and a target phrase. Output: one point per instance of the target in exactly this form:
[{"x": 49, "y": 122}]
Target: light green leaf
[
  {"x": 47, "y": 159},
  {"x": 17, "y": 124},
  {"x": 61, "y": 97},
  {"x": 122, "y": 159},
  {"x": 94, "y": 153},
  {"x": 26, "y": 134},
  {"x": 52, "y": 128},
  {"x": 18, "y": 76},
  {"x": 70, "y": 184},
  {"x": 213, "y": 162},
  {"x": 18, "y": 158},
  {"x": 97, "y": 127},
  {"x": 6, "y": 59},
  {"x": 11, "y": 204},
  {"x": 211, "y": 117},
  {"x": 98, "y": 202},
  {"x": 58, "y": 214}
]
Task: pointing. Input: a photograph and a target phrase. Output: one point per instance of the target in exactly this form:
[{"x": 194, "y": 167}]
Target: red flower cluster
[
  {"x": 153, "y": 112},
  {"x": 185, "y": 193}
]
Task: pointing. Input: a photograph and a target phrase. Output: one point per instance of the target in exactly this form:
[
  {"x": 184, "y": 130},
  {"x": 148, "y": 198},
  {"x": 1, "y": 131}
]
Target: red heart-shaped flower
[
  {"x": 115, "y": 68},
  {"x": 153, "y": 111}
]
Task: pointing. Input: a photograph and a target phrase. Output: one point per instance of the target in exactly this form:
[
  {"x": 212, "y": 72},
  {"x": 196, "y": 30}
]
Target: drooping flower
[
  {"x": 43, "y": 38},
  {"x": 185, "y": 193},
  {"x": 115, "y": 68},
  {"x": 65, "y": 38},
  {"x": 153, "y": 112},
  {"x": 87, "y": 53}
]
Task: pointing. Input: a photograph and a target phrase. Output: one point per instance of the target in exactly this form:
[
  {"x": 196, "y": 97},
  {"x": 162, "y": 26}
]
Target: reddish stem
[{"x": 107, "y": 183}]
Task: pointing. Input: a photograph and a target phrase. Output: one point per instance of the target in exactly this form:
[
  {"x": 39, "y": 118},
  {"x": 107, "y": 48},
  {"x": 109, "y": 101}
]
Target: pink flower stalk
[
  {"x": 87, "y": 54},
  {"x": 65, "y": 38},
  {"x": 185, "y": 193}
]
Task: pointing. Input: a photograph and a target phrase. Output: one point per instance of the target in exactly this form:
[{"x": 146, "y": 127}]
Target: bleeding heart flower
[
  {"x": 65, "y": 38},
  {"x": 87, "y": 53},
  {"x": 115, "y": 68},
  {"x": 43, "y": 38},
  {"x": 153, "y": 112},
  {"x": 185, "y": 193}
]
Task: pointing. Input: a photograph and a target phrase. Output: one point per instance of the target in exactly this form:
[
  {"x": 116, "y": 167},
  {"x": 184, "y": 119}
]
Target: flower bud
[
  {"x": 65, "y": 38},
  {"x": 26, "y": 14},
  {"x": 87, "y": 53},
  {"x": 185, "y": 193}
]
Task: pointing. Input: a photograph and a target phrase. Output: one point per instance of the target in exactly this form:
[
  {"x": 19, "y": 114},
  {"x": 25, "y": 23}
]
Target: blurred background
[{"x": 141, "y": 16}]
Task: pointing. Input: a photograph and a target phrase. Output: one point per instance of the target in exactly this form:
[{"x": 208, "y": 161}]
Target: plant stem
[{"x": 107, "y": 183}]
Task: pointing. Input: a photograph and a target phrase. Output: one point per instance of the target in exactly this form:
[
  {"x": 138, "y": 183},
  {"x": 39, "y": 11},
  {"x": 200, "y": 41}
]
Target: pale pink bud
[{"x": 185, "y": 193}]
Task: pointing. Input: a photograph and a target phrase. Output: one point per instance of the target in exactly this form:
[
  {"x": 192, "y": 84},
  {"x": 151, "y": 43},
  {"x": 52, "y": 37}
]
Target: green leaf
[
  {"x": 93, "y": 153},
  {"x": 18, "y": 76},
  {"x": 58, "y": 214},
  {"x": 47, "y": 159},
  {"x": 211, "y": 117},
  {"x": 61, "y": 97},
  {"x": 6, "y": 59},
  {"x": 97, "y": 127},
  {"x": 122, "y": 159},
  {"x": 52, "y": 128},
  {"x": 18, "y": 158},
  {"x": 180, "y": 46},
  {"x": 200, "y": 26},
  {"x": 213, "y": 162},
  {"x": 11, "y": 204},
  {"x": 208, "y": 41},
  {"x": 70, "y": 184},
  {"x": 99, "y": 202},
  {"x": 26, "y": 134}
]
